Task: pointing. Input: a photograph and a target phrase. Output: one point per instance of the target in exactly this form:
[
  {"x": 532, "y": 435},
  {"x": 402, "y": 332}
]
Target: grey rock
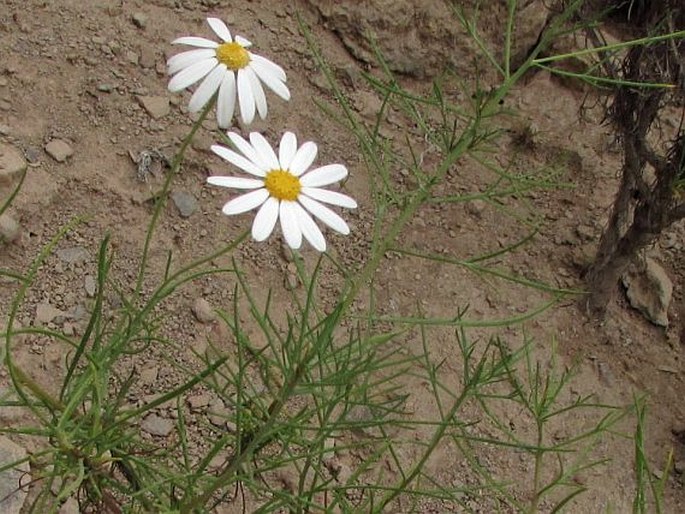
[
  {"x": 148, "y": 57},
  {"x": 9, "y": 228},
  {"x": 148, "y": 376},
  {"x": 73, "y": 254},
  {"x": 12, "y": 164},
  {"x": 90, "y": 285},
  {"x": 649, "y": 290},
  {"x": 185, "y": 202},
  {"x": 476, "y": 208},
  {"x": 156, "y": 106},
  {"x": 202, "y": 142},
  {"x": 131, "y": 57},
  {"x": 203, "y": 311},
  {"x": 218, "y": 413},
  {"x": 531, "y": 19},
  {"x": 79, "y": 313},
  {"x": 45, "y": 313},
  {"x": 70, "y": 506},
  {"x": 408, "y": 54},
  {"x": 156, "y": 425},
  {"x": 11, "y": 496},
  {"x": 33, "y": 154},
  {"x": 59, "y": 150},
  {"x": 198, "y": 402},
  {"x": 139, "y": 19}
]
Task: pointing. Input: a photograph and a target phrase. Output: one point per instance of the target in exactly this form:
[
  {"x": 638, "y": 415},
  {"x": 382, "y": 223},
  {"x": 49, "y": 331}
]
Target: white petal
[
  {"x": 324, "y": 175},
  {"x": 257, "y": 92},
  {"x": 246, "y": 202},
  {"x": 243, "y": 42},
  {"x": 191, "y": 74},
  {"x": 263, "y": 148},
  {"x": 238, "y": 160},
  {"x": 303, "y": 158},
  {"x": 289, "y": 225},
  {"x": 236, "y": 182},
  {"x": 324, "y": 214},
  {"x": 248, "y": 151},
  {"x": 245, "y": 97},
  {"x": 270, "y": 67},
  {"x": 206, "y": 90},
  {"x": 310, "y": 230},
  {"x": 332, "y": 197},
  {"x": 272, "y": 82},
  {"x": 225, "y": 103},
  {"x": 265, "y": 220},
  {"x": 220, "y": 29},
  {"x": 287, "y": 149},
  {"x": 179, "y": 61},
  {"x": 200, "y": 42}
]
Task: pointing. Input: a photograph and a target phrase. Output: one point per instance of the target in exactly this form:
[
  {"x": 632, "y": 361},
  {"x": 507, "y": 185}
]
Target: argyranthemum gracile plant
[
  {"x": 283, "y": 189},
  {"x": 230, "y": 69}
]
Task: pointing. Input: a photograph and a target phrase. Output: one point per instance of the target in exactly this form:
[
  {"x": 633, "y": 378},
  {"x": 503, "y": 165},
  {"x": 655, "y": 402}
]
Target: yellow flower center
[
  {"x": 283, "y": 185},
  {"x": 233, "y": 55}
]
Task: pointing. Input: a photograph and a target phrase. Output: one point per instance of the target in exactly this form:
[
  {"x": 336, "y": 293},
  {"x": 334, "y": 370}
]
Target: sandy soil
[{"x": 92, "y": 74}]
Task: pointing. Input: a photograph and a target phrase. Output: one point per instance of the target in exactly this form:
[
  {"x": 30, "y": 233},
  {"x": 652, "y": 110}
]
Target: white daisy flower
[
  {"x": 229, "y": 68},
  {"x": 282, "y": 190}
]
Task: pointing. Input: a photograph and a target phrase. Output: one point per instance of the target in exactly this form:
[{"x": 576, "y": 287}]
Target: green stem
[{"x": 161, "y": 197}]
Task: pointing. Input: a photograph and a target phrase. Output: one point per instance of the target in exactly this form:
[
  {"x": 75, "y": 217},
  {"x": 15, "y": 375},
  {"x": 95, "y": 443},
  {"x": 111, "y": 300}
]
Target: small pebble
[
  {"x": 59, "y": 150},
  {"x": 156, "y": 425},
  {"x": 139, "y": 20},
  {"x": 185, "y": 202},
  {"x": 9, "y": 228},
  {"x": 203, "y": 311},
  {"x": 156, "y": 106}
]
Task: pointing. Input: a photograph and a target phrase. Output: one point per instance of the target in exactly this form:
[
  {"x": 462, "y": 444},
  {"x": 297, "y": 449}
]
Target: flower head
[
  {"x": 283, "y": 189},
  {"x": 229, "y": 68}
]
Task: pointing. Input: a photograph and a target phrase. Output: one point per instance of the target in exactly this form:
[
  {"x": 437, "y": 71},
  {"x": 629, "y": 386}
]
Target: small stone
[
  {"x": 203, "y": 311},
  {"x": 70, "y": 506},
  {"x": 131, "y": 57},
  {"x": 12, "y": 496},
  {"x": 202, "y": 142},
  {"x": 156, "y": 106},
  {"x": 344, "y": 474},
  {"x": 185, "y": 202},
  {"x": 105, "y": 88},
  {"x": 157, "y": 425},
  {"x": 218, "y": 412},
  {"x": 89, "y": 285},
  {"x": 649, "y": 290},
  {"x": 4, "y": 129},
  {"x": 73, "y": 254},
  {"x": 292, "y": 279},
  {"x": 148, "y": 57},
  {"x": 9, "y": 228},
  {"x": 33, "y": 154},
  {"x": 79, "y": 313},
  {"x": 139, "y": 19},
  {"x": 12, "y": 165},
  {"x": 59, "y": 150},
  {"x": 45, "y": 313},
  {"x": 198, "y": 402},
  {"x": 148, "y": 376},
  {"x": 476, "y": 208}
]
